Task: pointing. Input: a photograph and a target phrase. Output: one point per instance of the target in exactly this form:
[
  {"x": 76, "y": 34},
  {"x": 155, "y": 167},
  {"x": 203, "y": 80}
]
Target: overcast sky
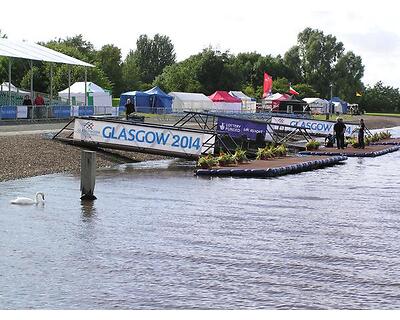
[{"x": 370, "y": 29}]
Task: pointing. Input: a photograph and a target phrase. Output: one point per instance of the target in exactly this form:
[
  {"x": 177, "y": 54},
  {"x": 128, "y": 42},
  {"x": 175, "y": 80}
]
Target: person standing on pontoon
[
  {"x": 361, "y": 132},
  {"x": 339, "y": 128}
]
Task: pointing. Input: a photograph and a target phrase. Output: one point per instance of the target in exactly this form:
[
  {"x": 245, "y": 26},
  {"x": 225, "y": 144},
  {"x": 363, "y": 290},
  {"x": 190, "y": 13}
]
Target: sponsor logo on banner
[
  {"x": 237, "y": 128},
  {"x": 313, "y": 126},
  {"x": 184, "y": 142}
]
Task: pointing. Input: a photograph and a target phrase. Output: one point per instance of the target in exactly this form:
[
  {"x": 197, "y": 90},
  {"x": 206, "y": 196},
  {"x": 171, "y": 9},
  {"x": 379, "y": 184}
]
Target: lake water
[{"x": 160, "y": 238}]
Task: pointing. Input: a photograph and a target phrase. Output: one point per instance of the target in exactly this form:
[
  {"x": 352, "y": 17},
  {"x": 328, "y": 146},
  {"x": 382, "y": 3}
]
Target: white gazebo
[
  {"x": 186, "y": 101},
  {"x": 317, "y": 105},
  {"x": 248, "y": 104},
  {"x": 93, "y": 95}
]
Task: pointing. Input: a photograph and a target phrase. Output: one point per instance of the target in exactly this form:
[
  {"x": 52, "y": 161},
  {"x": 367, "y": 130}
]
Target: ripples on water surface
[{"x": 159, "y": 238}]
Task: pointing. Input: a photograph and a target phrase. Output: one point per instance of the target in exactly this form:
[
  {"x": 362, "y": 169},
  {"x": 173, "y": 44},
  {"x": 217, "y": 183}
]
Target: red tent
[
  {"x": 223, "y": 96},
  {"x": 276, "y": 102}
]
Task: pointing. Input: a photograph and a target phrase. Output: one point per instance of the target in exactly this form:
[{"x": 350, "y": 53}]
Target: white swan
[{"x": 39, "y": 198}]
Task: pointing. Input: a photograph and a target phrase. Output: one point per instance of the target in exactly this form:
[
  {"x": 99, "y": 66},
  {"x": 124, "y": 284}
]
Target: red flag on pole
[
  {"x": 292, "y": 91},
  {"x": 267, "y": 84}
]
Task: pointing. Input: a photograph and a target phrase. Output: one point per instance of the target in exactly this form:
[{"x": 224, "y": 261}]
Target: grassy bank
[{"x": 384, "y": 114}]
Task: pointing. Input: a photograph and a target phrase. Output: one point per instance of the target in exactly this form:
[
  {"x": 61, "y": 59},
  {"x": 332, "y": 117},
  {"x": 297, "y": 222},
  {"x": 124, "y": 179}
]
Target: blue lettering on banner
[
  {"x": 131, "y": 134},
  {"x": 107, "y": 132},
  {"x": 141, "y": 137},
  {"x": 151, "y": 137}
]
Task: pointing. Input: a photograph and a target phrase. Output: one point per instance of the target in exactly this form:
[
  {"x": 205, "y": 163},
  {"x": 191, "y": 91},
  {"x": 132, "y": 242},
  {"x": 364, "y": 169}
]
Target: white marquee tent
[
  {"x": 185, "y": 101},
  {"x": 248, "y": 104},
  {"x": 97, "y": 96},
  {"x": 5, "y": 86},
  {"x": 317, "y": 105},
  {"x": 35, "y": 52}
]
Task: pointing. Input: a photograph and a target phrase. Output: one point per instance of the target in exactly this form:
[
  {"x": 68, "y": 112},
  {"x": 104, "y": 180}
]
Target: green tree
[
  {"x": 318, "y": 54},
  {"x": 305, "y": 91},
  {"x": 293, "y": 63},
  {"x": 381, "y": 98},
  {"x": 86, "y": 48},
  {"x": 348, "y": 73},
  {"x": 178, "y": 77},
  {"x": 280, "y": 85},
  {"x": 153, "y": 55},
  {"x": 109, "y": 60},
  {"x": 130, "y": 73},
  {"x": 205, "y": 72}
]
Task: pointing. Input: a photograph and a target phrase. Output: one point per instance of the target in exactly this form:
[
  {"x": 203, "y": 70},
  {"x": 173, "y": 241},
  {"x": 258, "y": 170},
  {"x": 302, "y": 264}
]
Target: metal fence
[
  {"x": 66, "y": 112},
  {"x": 56, "y": 112}
]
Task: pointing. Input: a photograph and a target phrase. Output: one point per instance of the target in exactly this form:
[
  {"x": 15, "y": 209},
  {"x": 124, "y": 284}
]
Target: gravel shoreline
[
  {"x": 25, "y": 156},
  {"x": 29, "y": 155}
]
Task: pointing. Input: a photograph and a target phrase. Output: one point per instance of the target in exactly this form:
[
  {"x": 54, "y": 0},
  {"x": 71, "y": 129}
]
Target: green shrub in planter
[
  {"x": 264, "y": 153},
  {"x": 384, "y": 135},
  {"x": 353, "y": 142},
  {"x": 375, "y": 137},
  {"x": 240, "y": 155},
  {"x": 272, "y": 150},
  {"x": 312, "y": 145},
  {"x": 207, "y": 162},
  {"x": 226, "y": 159},
  {"x": 281, "y": 151}
]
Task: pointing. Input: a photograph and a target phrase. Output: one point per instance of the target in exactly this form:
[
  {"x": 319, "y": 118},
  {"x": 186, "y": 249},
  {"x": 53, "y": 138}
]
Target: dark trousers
[
  {"x": 340, "y": 141},
  {"x": 361, "y": 142}
]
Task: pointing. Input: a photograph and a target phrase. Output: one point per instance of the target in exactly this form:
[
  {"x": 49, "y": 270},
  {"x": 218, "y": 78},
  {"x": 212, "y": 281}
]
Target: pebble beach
[{"x": 36, "y": 154}]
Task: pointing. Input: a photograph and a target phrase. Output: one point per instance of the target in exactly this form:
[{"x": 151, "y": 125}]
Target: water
[{"x": 159, "y": 238}]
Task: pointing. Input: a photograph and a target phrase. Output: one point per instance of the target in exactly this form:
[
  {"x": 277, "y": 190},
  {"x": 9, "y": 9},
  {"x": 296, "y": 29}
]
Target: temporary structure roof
[
  {"x": 248, "y": 104},
  {"x": 317, "y": 105},
  {"x": 190, "y": 101},
  {"x": 79, "y": 87},
  {"x": 101, "y": 97},
  {"x": 160, "y": 102},
  {"x": 223, "y": 101},
  {"x": 240, "y": 95},
  {"x": 140, "y": 100},
  {"x": 273, "y": 97},
  {"x": 6, "y": 87},
  {"x": 33, "y": 51},
  {"x": 223, "y": 96}
]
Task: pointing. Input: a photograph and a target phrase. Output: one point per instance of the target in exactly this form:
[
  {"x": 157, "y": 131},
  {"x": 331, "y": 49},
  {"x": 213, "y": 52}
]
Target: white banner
[
  {"x": 135, "y": 135},
  {"x": 22, "y": 112},
  {"x": 313, "y": 126}
]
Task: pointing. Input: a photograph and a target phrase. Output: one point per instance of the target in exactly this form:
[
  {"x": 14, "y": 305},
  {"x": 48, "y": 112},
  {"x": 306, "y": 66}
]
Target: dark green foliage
[
  {"x": 380, "y": 98},
  {"x": 311, "y": 65}
]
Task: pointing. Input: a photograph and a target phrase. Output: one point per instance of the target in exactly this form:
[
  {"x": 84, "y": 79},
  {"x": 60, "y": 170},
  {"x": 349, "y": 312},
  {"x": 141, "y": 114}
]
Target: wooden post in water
[{"x": 88, "y": 174}]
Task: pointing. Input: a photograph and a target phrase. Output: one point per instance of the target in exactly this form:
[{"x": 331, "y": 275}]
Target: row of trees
[{"x": 314, "y": 63}]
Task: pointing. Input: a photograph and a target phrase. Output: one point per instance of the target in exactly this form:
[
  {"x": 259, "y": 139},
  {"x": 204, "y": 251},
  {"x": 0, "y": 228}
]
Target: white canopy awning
[
  {"x": 79, "y": 87},
  {"x": 33, "y": 51}
]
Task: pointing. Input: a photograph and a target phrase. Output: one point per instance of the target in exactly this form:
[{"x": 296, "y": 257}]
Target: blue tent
[
  {"x": 140, "y": 100},
  {"x": 343, "y": 104},
  {"x": 160, "y": 102}
]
